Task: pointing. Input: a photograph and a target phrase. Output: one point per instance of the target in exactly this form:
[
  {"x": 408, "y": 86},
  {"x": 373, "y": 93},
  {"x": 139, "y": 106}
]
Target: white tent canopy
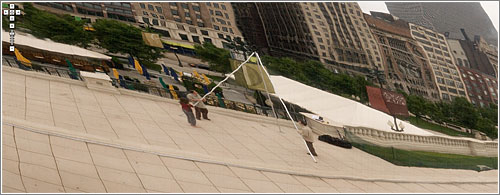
[
  {"x": 336, "y": 108},
  {"x": 49, "y": 45}
]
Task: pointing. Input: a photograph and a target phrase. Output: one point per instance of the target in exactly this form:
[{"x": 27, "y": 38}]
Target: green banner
[
  {"x": 5, "y": 5},
  {"x": 252, "y": 76}
]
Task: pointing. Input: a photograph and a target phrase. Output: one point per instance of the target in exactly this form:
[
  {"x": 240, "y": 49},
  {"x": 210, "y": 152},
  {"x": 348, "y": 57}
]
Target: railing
[
  {"x": 211, "y": 100},
  {"x": 61, "y": 72}
]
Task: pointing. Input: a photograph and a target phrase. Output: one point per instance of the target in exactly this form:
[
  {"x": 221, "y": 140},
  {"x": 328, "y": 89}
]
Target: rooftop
[{"x": 60, "y": 136}]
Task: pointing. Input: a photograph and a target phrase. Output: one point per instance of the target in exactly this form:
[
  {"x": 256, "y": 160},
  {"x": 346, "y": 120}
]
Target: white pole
[
  {"x": 286, "y": 109},
  {"x": 267, "y": 91},
  {"x": 227, "y": 77}
]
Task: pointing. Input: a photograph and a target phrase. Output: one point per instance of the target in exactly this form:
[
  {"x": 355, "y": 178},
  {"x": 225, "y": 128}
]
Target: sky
[{"x": 491, "y": 8}]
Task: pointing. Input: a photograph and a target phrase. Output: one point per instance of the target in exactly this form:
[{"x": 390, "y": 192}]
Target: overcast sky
[{"x": 491, "y": 8}]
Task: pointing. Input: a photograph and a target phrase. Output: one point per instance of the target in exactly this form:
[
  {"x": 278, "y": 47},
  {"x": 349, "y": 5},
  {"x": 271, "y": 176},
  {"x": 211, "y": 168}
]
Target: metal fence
[
  {"x": 61, "y": 72},
  {"x": 211, "y": 100}
]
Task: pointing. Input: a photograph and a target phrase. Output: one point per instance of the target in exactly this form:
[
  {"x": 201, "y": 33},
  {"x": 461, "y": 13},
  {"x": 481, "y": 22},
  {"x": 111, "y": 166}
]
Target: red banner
[
  {"x": 387, "y": 101},
  {"x": 376, "y": 99}
]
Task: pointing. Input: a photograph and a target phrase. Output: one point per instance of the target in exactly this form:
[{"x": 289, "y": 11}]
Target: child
[{"x": 186, "y": 108}]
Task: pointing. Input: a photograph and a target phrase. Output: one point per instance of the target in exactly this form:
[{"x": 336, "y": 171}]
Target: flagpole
[
  {"x": 267, "y": 91},
  {"x": 286, "y": 109},
  {"x": 227, "y": 77}
]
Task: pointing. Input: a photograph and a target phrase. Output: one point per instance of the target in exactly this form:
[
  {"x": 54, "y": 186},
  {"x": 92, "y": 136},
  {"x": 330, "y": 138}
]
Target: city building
[
  {"x": 249, "y": 23},
  {"x": 447, "y": 18},
  {"x": 490, "y": 51},
  {"x": 478, "y": 60},
  {"x": 437, "y": 50},
  {"x": 482, "y": 89},
  {"x": 334, "y": 33},
  {"x": 189, "y": 22},
  {"x": 91, "y": 11},
  {"x": 406, "y": 66}
]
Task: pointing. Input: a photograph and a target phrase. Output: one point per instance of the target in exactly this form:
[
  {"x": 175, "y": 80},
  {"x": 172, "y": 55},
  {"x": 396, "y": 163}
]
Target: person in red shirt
[{"x": 187, "y": 109}]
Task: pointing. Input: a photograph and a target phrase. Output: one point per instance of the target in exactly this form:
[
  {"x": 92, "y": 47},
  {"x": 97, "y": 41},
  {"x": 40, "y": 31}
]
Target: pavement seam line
[
  {"x": 103, "y": 113},
  {"x": 95, "y": 167},
  {"x": 234, "y": 165},
  {"x": 57, "y": 167},
  {"x": 18, "y": 160},
  {"x": 135, "y": 171}
]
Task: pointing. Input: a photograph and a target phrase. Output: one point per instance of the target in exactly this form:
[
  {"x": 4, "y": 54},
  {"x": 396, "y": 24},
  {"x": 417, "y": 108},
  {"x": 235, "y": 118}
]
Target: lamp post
[{"x": 175, "y": 53}]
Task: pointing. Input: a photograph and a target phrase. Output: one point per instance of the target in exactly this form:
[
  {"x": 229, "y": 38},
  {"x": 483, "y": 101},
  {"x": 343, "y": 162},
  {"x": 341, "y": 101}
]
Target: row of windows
[{"x": 216, "y": 5}]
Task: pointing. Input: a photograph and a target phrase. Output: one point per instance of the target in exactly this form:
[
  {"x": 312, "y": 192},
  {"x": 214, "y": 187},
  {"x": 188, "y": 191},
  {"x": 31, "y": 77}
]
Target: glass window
[
  {"x": 177, "y": 19},
  {"x": 146, "y": 20},
  {"x": 211, "y": 12},
  {"x": 216, "y": 5},
  {"x": 173, "y": 3},
  {"x": 184, "y": 5},
  {"x": 225, "y": 29},
  {"x": 218, "y": 13},
  {"x": 187, "y": 14},
  {"x": 196, "y": 39},
  {"x": 161, "y": 17},
  {"x": 207, "y": 40},
  {"x": 227, "y": 16},
  {"x": 198, "y": 16},
  {"x": 216, "y": 27},
  {"x": 158, "y": 8},
  {"x": 142, "y": 5},
  {"x": 231, "y": 30},
  {"x": 189, "y": 21},
  {"x": 175, "y": 12},
  {"x": 184, "y": 37},
  {"x": 201, "y": 24},
  {"x": 155, "y": 22},
  {"x": 150, "y": 7},
  {"x": 220, "y": 35},
  {"x": 223, "y": 6},
  {"x": 154, "y": 15},
  {"x": 204, "y": 32},
  {"x": 145, "y": 13},
  {"x": 196, "y": 8}
]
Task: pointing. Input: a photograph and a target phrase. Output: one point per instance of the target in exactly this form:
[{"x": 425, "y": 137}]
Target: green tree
[
  {"x": 490, "y": 112},
  {"x": 64, "y": 28},
  {"x": 417, "y": 105},
  {"x": 487, "y": 126},
  {"x": 464, "y": 113},
  {"x": 217, "y": 58},
  {"x": 118, "y": 37}
]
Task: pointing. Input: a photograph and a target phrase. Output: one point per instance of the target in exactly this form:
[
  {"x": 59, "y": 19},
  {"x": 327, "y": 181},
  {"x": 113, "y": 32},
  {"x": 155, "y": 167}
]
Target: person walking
[
  {"x": 199, "y": 108},
  {"x": 308, "y": 136},
  {"x": 186, "y": 108}
]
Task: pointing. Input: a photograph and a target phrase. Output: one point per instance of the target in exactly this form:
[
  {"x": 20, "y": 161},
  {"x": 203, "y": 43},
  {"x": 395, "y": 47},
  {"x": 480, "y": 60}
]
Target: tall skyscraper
[{"x": 447, "y": 17}]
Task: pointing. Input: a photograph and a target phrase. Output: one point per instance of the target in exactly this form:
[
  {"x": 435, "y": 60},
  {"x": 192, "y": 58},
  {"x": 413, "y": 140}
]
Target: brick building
[
  {"x": 91, "y": 11},
  {"x": 482, "y": 89}
]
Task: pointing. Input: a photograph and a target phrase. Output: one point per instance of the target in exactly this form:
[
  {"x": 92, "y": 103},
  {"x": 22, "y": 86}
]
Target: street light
[{"x": 175, "y": 53}]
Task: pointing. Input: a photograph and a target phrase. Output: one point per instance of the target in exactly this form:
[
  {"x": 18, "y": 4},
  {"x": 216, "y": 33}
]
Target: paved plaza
[{"x": 60, "y": 136}]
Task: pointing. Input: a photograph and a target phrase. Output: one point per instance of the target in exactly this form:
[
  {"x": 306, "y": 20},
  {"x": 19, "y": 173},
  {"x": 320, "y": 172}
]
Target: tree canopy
[
  {"x": 459, "y": 112},
  {"x": 59, "y": 28},
  {"x": 217, "y": 58}
]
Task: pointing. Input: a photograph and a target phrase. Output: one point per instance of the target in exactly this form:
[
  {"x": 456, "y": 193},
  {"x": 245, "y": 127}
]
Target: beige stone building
[
  {"x": 342, "y": 37},
  {"x": 189, "y": 22},
  {"x": 91, "y": 11},
  {"x": 445, "y": 71}
]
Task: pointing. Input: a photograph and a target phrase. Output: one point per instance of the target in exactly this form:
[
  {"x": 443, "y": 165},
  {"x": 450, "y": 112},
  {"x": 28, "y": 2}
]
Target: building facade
[
  {"x": 334, "y": 33},
  {"x": 447, "y": 18},
  {"x": 342, "y": 37},
  {"x": 250, "y": 25},
  {"x": 482, "y": 89},
  {"x": 490, "y": 51},
  {"x": 445, "y": 71},
  {"x": 406, "y": 66},
  {"x": 190, "y": 22},
  {"x": 91, "y": 11}
]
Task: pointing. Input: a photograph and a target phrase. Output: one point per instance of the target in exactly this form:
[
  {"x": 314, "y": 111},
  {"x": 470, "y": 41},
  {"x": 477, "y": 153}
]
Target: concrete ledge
[{"x": 174, "y": 153}]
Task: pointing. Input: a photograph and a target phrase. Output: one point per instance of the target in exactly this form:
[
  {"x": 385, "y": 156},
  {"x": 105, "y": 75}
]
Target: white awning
[
  {"x": 29, "y": 40},
  {"x": 336, "y": 108}
]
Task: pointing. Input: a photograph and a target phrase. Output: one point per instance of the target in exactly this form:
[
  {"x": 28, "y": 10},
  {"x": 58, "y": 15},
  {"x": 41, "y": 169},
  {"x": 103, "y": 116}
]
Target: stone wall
[{"x": 440, "y": 144}]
